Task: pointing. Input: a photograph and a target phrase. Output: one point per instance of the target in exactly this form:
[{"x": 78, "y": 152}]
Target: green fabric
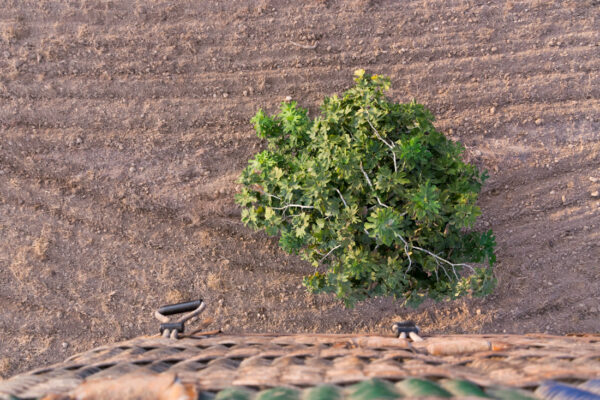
[
  {"x": 324, "y": 392},
  {"x": 420, "y": 387},
  {"x": 462, "y": 388},
  {"x": 509, "y": 394},
  {"x": 234, "y": 393},
  {"x": 279, "y": 393},
  {"x": 373, "y": 389},
  {"x": 206, "y": 396}
]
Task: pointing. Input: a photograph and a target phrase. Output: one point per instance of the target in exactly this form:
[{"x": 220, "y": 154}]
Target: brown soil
[{"x": 124, "y": 127}]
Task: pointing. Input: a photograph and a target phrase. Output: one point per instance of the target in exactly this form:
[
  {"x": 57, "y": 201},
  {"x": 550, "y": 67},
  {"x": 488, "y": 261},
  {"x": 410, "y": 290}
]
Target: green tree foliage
[{"x": 372, "y": 195}]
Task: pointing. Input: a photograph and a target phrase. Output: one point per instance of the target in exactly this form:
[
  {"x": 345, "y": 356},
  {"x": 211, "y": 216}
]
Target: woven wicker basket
[{"x": 297, "y": 366}]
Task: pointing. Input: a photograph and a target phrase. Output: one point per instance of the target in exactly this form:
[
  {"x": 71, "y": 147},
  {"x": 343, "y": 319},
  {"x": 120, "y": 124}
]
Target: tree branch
[
  {"x": 273, "y": 196},
  {"x": 291, "y": 205},
  {"x": 345, "y": 204},
  {"x": 437, "y": 258},
  {"x": 406, "y": 252},
  {"x": 330, "y": 251},
  {"x": 391, "y": 146},
  {"x": 371, "y": 186},
  {"x": 287, "y": 205},
  {"x": 444, "y": 260}
]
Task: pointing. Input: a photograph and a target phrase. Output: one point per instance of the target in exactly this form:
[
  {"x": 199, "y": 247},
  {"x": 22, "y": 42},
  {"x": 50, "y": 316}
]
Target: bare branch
[
  {"x": 273, "y": 196},
  {"x": 455, "y": 274},
  {"x": 371, "y": 186},
  {"x": 330, "y": 251},
  {"x": 366, "y": 176},
  {"x": 345, "y": 204},
  {"x": 445, "y": 272},
  {"x": 391, "y": 146},
  {"x": 381, "y": 204},
  {"x": 406, "y": 252},
  {"x": 444, "y": 260},
  {"x": 437, "y": 258},
  {"x": 291, "y": 205},
  {"x": 284, "y": 208}
]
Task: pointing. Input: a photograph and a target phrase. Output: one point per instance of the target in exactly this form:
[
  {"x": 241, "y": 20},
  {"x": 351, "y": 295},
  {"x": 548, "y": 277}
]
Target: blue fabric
[
  {"x": 559, "y": 391},
  {"x": 591, "y": 386}
]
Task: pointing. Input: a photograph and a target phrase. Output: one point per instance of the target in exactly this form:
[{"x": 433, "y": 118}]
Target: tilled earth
[{"x": 124, "y": 125}]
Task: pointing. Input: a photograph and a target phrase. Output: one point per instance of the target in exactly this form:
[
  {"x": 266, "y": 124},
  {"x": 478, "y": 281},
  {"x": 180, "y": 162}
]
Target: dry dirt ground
[{"x": 125, "y": 124}]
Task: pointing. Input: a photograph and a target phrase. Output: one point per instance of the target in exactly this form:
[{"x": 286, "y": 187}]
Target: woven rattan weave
[{"x": 259, "y": 362}]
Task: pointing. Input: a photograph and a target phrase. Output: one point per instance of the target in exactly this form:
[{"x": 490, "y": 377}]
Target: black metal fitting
[
  {"x": 172, "y": 326},
  {"x": 179, "y": 308},
  {"x": 405, "y": 327},
  {"x": 172, "y": 329}
]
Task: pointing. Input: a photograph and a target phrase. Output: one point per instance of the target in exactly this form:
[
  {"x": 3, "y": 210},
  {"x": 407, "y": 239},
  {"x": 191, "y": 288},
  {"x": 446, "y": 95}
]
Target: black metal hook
[{"x": 170, "y": 329}]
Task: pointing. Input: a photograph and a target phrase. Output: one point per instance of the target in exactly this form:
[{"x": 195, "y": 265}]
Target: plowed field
[{"x": 124, "y": 125}]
